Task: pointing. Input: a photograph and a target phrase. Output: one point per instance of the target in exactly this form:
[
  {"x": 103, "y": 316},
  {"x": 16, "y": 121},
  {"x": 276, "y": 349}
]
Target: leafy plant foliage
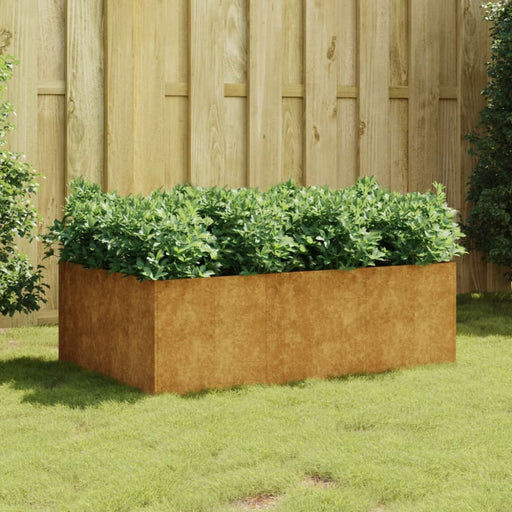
[
  {"x": 21, "y": 287},
  {"x": 199, "y": 232},
  {"x": 489, "y": 224}
]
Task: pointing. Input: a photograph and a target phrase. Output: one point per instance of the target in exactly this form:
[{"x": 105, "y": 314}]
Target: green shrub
[
  {"x": 21, "y": 287},
  {"x": 199, "y": 232},
  {"x": 489, "y": 225}
]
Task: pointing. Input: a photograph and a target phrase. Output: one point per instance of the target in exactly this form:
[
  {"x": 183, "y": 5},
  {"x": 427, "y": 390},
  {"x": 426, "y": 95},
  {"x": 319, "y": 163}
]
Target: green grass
[{"x": 436, "y": 438}]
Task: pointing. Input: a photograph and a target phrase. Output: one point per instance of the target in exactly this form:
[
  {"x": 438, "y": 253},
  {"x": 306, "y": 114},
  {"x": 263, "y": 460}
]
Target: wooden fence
[{"x": 140, "y": 94}]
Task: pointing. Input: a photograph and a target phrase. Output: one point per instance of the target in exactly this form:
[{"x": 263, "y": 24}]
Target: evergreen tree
[{"x": 489, "y": 224}]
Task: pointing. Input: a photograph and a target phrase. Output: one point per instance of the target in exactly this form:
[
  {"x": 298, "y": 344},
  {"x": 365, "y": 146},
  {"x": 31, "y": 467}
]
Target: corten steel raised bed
[{"x": 192, "y": 334}]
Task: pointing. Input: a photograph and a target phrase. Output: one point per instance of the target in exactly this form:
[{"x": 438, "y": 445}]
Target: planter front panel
[
  {"x": 316, "y": 325},
  {"x": 210, "y": 333},
  {"x": 273, "y": 328}
]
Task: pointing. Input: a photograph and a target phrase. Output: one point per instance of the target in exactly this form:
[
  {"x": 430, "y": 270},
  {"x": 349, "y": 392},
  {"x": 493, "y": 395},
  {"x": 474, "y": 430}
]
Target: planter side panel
[
  {"x": 106, "y": 324},
  {"x": 210, "y": 333}
]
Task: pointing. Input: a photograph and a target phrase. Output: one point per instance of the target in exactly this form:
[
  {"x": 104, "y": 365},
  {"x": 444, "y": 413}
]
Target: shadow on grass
[
  {"x": 299, "y": 384},
  {"x": 51, "y": 383}
]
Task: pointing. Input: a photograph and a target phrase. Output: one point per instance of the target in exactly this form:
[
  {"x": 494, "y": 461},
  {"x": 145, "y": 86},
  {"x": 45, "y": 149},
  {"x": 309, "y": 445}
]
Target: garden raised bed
[{"x": 186, "y": 335}]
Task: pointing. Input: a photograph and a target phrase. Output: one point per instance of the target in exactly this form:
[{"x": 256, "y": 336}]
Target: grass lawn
[{"x": 436, "y": 438}]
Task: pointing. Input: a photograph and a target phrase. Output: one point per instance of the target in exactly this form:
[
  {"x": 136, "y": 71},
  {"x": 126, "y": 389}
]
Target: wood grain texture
[
  {"x": 57, "y": 88},
  {"x": 235, "y": 50},
  {"x": 448, "y": 36},
  {"x": 346, "y": 38},
  {"x": 398, "y": 42},
  {"x": 293, "y": 90},
  {"x": 85, "y": 91},
  {"x": 373, "y": 99},
  {"x": 51, "y": 133},
  {"x": 320, "y": 135},
  {"x": 348, "y": 133},
  {"x": 119, "y": 96},
  {"x": 398, "y": 94},
  {"x": 424, "y": 19},
  {"x": 448, "y": 152},
  {"x": 51, "y": 129},
  {"x": 265, "y": 101},
  {"x": 346, "y": 92},
  {"x": 51, "y": 63},
  {"x": 292, "y": 139},
  {"x": 234, "y": 173},
  {"x": 207, "y": 35},
  {"x": 449, "y": 111},
  {"x": 149, "y": 168},
  {"x": 398, "y": 145},
  {"x": 176, "y": 108}
]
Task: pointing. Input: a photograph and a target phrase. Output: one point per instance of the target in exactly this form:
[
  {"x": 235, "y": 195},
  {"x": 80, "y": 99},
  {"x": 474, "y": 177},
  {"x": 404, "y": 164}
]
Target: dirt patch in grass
[
  {"x": 257, "y": 502},
  {"x": 319, "y": 481}
]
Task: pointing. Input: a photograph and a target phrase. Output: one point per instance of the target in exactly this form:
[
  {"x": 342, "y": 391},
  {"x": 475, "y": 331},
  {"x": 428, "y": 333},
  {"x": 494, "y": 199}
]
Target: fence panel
[{"x": 138, "y": 94}]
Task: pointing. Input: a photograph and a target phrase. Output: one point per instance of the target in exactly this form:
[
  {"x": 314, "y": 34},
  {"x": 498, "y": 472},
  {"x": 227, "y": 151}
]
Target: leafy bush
[
  {"x": 21, "y": 287},
  {"x": 199, "y": 232},
  {"x": 489, "y": 224}
]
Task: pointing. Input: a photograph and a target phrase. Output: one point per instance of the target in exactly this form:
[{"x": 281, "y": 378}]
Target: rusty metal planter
[{"x": 187, "y": 335}]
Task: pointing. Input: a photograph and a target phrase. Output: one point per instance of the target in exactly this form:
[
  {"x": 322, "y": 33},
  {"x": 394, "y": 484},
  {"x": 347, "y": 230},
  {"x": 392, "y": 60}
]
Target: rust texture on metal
[{"x": 188, "y": 335}]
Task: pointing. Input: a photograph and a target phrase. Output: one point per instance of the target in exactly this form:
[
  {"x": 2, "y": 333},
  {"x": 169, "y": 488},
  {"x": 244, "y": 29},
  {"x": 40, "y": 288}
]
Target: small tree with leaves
[
  {"x": 489, "y": 225},
  {"x": 21, "y": 286}
]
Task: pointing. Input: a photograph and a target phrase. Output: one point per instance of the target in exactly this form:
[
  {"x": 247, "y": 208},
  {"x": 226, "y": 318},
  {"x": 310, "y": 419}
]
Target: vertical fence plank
[
  {"x": 52, "y": 150},
  {"x": 320, "y": 93},
  {"x": 347, "y": 107},
  {"x": 293, "y": 73},
  {"x": 20, "y": 18},
  {"x": 265, "y": 86},
  {"x": 235, "y": 72},
  {"x": 449, "y": 125},
  {"x": 51, "y": 135},
  {"x": 424, "y": 93},
  {"x": 85, "y": 96},
  {"x": 206, "y": 84},
  {"x": 176, "y": 108},
  {"x": 149, "y": 85},
  {"x": 120, "y": 96},
  {"x": 398, "y": 108},
  {"x": 373, "y": 99},
  {"x": 399, "y": 42},
  {"x": 51, "y": 60}
]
